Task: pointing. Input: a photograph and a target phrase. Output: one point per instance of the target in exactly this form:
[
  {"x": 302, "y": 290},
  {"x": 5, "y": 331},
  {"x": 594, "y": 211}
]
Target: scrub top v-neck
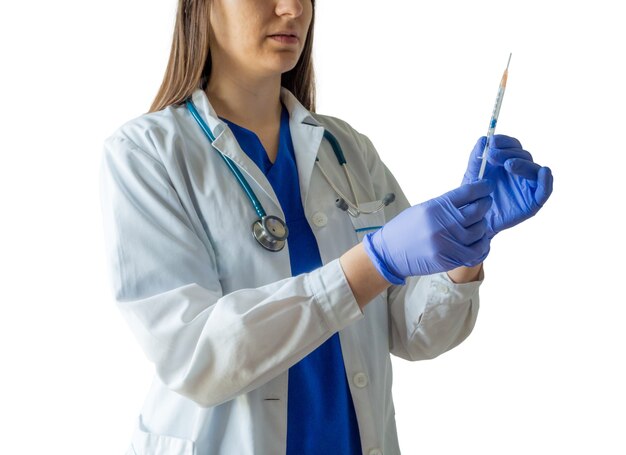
[{"x": 320, "y": 411}]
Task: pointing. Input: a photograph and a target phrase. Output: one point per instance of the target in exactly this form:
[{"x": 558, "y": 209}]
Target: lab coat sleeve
[
  {"x": 430, "y": 314},
  {"x": 205, "y": 345}
]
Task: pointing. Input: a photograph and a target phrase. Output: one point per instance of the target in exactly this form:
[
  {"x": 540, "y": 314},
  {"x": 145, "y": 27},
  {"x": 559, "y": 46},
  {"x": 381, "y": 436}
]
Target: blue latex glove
[
  {"x": 435, "y": 236},
  {"x": 521, "y": 186}
]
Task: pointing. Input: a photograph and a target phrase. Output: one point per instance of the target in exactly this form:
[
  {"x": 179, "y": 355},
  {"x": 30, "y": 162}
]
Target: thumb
[
  {"x": 475, "y": 160},
  {"x": 470, "y": 192}
]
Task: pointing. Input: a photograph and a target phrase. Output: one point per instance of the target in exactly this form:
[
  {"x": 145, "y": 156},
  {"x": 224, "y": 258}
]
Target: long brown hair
[{"x": 189, "y": 65}]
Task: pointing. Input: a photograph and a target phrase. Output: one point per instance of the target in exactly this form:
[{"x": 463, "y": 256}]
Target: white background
[{"x": 542, "y": 372}]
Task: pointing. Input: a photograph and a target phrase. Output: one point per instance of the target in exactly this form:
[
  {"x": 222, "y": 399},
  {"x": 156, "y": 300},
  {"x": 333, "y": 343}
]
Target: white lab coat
[{"x": 221, "y": 318}]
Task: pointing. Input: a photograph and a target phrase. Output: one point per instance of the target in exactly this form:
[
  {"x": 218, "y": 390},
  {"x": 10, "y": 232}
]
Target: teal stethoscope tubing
[
  {"x": 231, "y": 165},
  {"x": 237, "y": 173},
  {"x": 270, "y": 231}
]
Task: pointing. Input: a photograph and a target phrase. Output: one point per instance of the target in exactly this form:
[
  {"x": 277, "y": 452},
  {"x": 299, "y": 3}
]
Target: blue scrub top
[{"x": 320, "y": 412}]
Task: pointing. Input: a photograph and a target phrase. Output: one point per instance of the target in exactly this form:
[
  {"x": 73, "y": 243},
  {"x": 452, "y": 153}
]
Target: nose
[{"x": 291, "y": 8}]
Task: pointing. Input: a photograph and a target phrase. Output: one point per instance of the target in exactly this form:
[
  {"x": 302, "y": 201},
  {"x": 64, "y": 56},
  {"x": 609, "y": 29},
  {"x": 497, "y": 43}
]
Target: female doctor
[{"x": 266, "y": 282}]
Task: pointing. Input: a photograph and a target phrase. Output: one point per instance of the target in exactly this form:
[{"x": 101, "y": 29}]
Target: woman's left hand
[{"x": 522, "y": 186}]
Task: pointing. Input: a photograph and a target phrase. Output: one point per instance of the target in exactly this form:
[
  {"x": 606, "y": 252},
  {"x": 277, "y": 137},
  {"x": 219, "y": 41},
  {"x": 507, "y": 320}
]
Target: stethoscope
[{"x": 270, "y": 231}]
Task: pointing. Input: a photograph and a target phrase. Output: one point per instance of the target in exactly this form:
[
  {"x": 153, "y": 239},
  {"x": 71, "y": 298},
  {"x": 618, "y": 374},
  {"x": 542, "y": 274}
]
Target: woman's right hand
[
  {"x": 438, "y": 235},
  {"x": 521, "y": 186}
]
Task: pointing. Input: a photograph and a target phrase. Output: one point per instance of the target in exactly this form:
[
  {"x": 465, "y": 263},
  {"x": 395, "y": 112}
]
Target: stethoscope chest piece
[{"x": 271, "y": 232}]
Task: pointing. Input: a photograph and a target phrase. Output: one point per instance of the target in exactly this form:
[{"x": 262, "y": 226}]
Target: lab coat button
[
  {"x": 319, "y": 219},
  {"x": 360, "y": 380},
  {"x": 441, "y": 288},
  {"x": 375, "y": 452}
]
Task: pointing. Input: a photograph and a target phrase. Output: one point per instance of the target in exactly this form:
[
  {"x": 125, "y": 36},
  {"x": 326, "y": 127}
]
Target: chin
[
  {"x": 282, "y": 67},
  {"x": 274, "y": 62}
]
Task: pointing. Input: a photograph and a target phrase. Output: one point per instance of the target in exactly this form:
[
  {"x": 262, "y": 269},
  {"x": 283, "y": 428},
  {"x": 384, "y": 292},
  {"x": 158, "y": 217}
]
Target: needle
[{"x": 494, "y": 118}]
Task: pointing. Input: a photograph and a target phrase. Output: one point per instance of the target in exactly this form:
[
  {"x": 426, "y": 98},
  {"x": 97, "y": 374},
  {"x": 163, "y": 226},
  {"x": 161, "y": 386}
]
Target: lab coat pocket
[
  {"x": 367, "y": 222},
  {"x": 146, "y": 443}
]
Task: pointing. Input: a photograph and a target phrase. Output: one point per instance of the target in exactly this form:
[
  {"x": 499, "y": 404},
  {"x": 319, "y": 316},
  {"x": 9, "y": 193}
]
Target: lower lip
[{"x": 285, "y": 39}]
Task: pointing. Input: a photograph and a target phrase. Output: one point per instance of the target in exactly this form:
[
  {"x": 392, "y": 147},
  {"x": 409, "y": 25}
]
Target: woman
[{"x": 264, "y": 345}]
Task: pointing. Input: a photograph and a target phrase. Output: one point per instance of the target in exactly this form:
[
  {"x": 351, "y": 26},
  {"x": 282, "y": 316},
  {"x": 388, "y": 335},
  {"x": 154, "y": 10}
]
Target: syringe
[{"x": 494, "y": 118}]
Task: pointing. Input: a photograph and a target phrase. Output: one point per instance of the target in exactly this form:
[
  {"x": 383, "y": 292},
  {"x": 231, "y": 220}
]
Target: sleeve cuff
[
  {"x": 334, "y": 296},
  {"x": 443, "y": 289},
  {"x": 438, "y": 291}
]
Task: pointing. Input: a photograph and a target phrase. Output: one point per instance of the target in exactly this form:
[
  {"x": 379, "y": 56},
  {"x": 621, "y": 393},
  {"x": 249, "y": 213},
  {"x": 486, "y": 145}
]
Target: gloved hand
[
  {"x": 521, "y": 186},
  {"x": 435, "y": 236}
]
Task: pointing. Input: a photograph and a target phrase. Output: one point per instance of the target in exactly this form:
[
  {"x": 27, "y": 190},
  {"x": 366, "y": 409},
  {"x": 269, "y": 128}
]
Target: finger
[
  {"x": 478, "y": 252},
  {"x": 544, "y": 185},
  {"x": 522, "y": 168},
  {"x": 473, "y": 167},
  {"x": 499, "y": 156},
  {"x": 476, "y": 211},
  {"x": 500, "y": 141},
  {"x": 477, "y": 151},
  {"x": 473, "y": 233},
  {"x": 466, "y": 194}
]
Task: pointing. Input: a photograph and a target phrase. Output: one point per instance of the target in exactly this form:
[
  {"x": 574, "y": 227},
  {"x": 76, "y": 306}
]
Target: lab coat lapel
[
  {"x": 306, "y": 135},
  {"x": 227, "y": 144}
]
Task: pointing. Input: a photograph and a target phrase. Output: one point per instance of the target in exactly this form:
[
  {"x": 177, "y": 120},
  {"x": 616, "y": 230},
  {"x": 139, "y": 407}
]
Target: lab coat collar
[
  {"x": 297, "y": 112},
  {"x": 208, "y": 114},
  {"x": 306, "y": 134}
]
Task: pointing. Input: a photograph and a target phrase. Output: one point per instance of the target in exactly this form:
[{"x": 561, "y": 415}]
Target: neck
[{"x": 251, "y": 103}]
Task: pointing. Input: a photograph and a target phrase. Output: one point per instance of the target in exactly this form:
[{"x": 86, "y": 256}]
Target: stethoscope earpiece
[
  {"x": 355, "y": 210},
  {"x": 342, "y": 204},
  {"x": 389, "y": 198}
]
